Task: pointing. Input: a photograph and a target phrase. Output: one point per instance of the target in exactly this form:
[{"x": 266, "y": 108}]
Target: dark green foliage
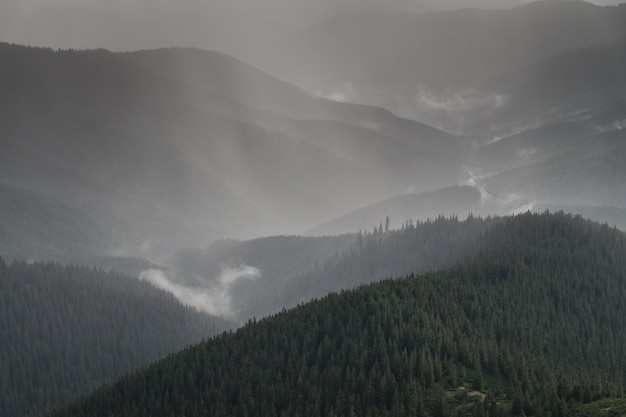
[
  {"x": 537, "y": 320},
  {"x": 603, "y": 408},
  {"x": 418, "y": 247},
  {"x": 66, "y": 330}
]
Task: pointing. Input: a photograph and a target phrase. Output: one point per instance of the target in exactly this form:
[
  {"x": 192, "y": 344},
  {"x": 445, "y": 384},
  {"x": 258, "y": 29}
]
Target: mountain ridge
[
  {"x": 158, "y": 143},
  {"x": 529, "y": 330}
]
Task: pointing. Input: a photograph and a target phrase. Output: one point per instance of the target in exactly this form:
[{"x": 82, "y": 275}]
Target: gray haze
[{"x": 237, "y": 27}]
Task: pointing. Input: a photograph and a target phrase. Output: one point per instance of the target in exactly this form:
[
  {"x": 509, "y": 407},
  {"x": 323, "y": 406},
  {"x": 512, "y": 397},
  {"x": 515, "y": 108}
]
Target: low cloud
[
  {"x": 505, "y": 203},
  {"x": 343, "y": 93},
  {"x": 524, "y": 208},
  {"x": 612, "y": 127},
  {"x": 464, "y": 101},
  {"x": 512, "y": 131},
  {"x": 454, "y": 112},
  {"x": 215, "y": 299},
  {"x": 474, "y": 176},
  {"x": 496, "y": 203}
]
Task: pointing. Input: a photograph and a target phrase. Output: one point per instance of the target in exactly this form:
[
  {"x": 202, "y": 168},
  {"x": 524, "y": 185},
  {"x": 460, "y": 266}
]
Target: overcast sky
[
  {"x": 139, "y": 24},
  {"x": 232, "y": 26}
]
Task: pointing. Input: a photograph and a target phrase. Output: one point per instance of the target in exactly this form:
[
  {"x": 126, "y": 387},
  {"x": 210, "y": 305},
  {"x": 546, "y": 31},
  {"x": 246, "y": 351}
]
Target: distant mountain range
[
  {"x": 460, "y": 201},
  {"x": 181, "y": 147},
  {"x": 557, "y": 141},
  {"x": 156, "y": 151},
  {"x": 432, "y": 66},
  {"x": 579, "y": 85}
]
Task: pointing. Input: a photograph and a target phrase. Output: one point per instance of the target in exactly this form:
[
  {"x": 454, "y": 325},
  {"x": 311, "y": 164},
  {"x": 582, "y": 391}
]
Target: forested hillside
[
  {"x": 66, "y": 330},
  {"x": 416, "y": 247},
  {"x": 295, "y": 269},
  {"x": 533, "y": 326}
]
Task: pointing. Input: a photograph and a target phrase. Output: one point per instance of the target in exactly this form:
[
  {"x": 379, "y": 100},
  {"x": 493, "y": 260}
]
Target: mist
[
  {"x": 214, "y": 299},
  {"x": 452, "y": 111},
  {"x": 612, "y": 127},
  {"x": 496, "y": 202}
]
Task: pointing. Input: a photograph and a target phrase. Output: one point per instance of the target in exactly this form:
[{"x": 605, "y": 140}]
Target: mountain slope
[
  {"x": 284, "y": 271},
  {"x": 179, "y": 145},
  {"x": 292, "y": 270},
  {"x": 33, "y": 226},
  {"x": 588, "y": 174},
  {"x": 452, "y": 201},
  {"x": 581, "y": 86},
  {"x": 67, "y": 330},
  {"x": 534, "y": 326},
  {"x": 558, "y": 140}
]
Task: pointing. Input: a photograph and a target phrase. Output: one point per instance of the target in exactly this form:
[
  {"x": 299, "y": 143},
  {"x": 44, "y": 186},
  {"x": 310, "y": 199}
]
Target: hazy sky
[
  {"x": 232, "y": 26},
  {"x": 126, "y": 24}
]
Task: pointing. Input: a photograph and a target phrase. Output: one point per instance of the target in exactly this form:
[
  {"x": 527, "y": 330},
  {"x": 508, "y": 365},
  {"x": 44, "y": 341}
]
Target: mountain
[
  {"x": 67, "y": 330},
  {"x": 569, "y": 111},
  {"x": 417, "y": 247},
  {"x": 458, "y": 201},
  {"x": 477, "y": 200},
  {"x": 256, "y": 278},
  {"x": 174, "y": 148},
  {"x": 612, "y": 216},
  {"x": 589, "y": 174},
  {"x": 582, "y": 86},
  {"x": 242, "y": 280},
  {"x": 532, "y": 326},
  {"x": 430, "y": 66},
  {"x": 246, "y": 279},
  {"x": 556, "y": 142},
  {"x": 156, "y": 151},
  {"x": 34, "y": 225}
]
